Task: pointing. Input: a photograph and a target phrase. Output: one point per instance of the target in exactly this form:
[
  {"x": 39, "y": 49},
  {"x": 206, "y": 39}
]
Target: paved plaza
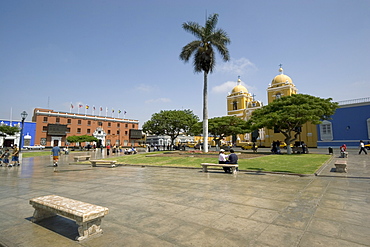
[{"x": 152, "y": 206}]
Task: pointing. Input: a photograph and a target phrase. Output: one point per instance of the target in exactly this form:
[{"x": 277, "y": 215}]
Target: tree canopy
[
  {"x": 288, "y": 114},
  {"x": 208, "y": 39},
  {"x": 220, "y": 127},
  {"x": 9, "y": 130},
  {"x": 82, "y": 138},
  {"x": 171, "y": 123}
]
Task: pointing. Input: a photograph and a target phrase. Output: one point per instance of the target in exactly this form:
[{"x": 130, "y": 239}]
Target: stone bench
[
  {"x": 79, "y": 158},
  {"x": 112, "y": 163},
  {"x": 340, "y": 165},
  {"x": 87, "y": 216},
  {"x": 232, "y": 166}
]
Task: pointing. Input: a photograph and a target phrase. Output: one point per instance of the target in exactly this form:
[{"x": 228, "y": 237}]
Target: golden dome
[
  {"x": 281, "y": 80},
  {"x": 239, "y": 88}
]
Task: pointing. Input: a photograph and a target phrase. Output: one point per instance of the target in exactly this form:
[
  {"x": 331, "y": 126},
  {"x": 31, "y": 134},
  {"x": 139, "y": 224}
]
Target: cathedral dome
[
  {"x": 281, "y": 80},
  {"x": 239, "y": 88}
]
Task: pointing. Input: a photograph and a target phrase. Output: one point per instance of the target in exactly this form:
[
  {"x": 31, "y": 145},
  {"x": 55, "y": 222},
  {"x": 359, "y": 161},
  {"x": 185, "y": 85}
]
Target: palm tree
[{"x": 208, "y": 38}]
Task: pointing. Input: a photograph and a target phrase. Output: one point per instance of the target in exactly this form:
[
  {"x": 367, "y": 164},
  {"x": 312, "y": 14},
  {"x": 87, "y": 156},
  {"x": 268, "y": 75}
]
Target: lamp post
[{"x": 24, "y": 116}]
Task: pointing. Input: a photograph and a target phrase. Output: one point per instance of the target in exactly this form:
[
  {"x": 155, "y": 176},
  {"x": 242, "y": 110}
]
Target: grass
[
  {"x": 294, "y": 163},
  {"x": 34, "y": 154}
]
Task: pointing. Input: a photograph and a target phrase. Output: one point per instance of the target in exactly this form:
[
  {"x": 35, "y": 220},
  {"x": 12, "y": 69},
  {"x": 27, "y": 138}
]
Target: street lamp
[{"x": 24, "y": 116}]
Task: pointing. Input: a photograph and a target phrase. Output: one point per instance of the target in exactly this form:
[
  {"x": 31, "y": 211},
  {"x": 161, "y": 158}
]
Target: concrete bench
[
  {"x": 344, "y": 154},
  {"x": 232, "y": 166},
  {"x": 87, "y": 216},
  {"x": 340, "y": 165},
  {"x": 112, "y": 163},
  {"x": 79, "y": 158}
]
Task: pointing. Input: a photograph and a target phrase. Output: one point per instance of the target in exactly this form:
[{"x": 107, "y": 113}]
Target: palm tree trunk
[{"x": 205, "y": 113}]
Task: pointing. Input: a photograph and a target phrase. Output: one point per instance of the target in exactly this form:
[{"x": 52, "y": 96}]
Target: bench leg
[
  {"x": 93, "y": 164},
  {"x": 88, "y": 229},
  {"x": 233, "y": 169},
  {"x": 40, "y": 214},
  {"x": 205, "y": 169}
]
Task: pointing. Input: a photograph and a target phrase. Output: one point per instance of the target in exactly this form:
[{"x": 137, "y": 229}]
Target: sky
[{"x": 124, "y": 54}]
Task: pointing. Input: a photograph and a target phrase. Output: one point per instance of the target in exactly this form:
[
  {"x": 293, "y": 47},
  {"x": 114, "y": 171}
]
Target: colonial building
[
  {"x": 54, "y": 127},
  {"x": 349, "y": 125},
  {"x": 282, "y": 85},
  {"x": 240, "y": 103},
  {"x": 28, "y": 134}
]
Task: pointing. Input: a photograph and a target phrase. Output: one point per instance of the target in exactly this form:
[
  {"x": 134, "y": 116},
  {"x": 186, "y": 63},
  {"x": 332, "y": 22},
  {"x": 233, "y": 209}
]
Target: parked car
[
  {"x": 247, "y": 146},
  {"x": 367, "y": 146},
  {"x": 35, "y": 147}
]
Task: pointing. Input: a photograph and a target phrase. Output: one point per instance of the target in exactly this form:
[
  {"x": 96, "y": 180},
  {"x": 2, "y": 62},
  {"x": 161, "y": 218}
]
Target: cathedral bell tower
[{"x": 282, "y": 85}]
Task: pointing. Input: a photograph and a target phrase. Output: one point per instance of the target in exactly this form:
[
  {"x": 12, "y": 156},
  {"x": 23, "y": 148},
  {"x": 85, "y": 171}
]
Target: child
[{"x": 5, "y": 157}]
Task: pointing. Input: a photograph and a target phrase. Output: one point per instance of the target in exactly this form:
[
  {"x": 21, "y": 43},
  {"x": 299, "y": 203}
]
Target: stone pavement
[{"x": 152, "y": 206}]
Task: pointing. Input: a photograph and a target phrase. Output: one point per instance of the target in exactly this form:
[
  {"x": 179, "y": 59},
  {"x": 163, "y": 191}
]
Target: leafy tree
[
  {"x": 82, "y": 138},
  {"x": 288, "y": 114},
  {"x": 221, "y": 127},
  {"x": 208, "y": 39},
  {"x": 9, "y": 130},
  {"x": 171, "y": 123}
]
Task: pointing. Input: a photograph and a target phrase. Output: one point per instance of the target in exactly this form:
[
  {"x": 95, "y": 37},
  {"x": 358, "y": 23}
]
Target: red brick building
[{"x": 54, "y": 127}]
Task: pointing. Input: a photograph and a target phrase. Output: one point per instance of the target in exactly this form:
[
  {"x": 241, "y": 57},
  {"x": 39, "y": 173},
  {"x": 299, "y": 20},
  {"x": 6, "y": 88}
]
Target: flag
[
  {"x": 87, "y": 106},
  {"x": 101, "y": 108},
  {"x": 124, "y": 112},
  {"x": 71, "y": 105},
  {"x": 119, "y": 111},
  {"x": 112, "y": 110},
  {"x": 80, "y": 105},
  {"x": 94, "y": 108}
]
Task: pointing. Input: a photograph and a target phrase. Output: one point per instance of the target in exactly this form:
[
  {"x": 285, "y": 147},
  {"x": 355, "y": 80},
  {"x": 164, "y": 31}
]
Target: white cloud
[
  {"x": 159, "y": 100},
  {"x": 229, "y": 85},
  {"x": 144, "y": 88},
  {"x": 237, "y": 66}
]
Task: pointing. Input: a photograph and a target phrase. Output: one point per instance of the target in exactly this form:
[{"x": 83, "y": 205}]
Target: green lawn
[{"x": 294, "y": 163}]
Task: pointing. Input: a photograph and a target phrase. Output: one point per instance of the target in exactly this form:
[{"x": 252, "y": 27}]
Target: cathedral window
[
  {"x": 278, "y": 95},
  {"x": 235, "y": 105}
]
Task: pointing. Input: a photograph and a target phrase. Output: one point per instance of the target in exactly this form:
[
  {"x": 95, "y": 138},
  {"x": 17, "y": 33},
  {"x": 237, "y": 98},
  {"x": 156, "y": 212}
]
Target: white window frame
[{"x": 326, "y": 131}]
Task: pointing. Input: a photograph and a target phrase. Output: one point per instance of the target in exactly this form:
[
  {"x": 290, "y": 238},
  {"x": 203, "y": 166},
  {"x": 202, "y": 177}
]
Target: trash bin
[{"x": 330, "y": 150}]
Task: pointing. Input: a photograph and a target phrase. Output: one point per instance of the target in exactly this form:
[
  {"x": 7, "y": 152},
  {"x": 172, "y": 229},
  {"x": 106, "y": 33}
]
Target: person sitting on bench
[
  {"x": 232, "y": 159},
  {"x": 222, "y": 158}
]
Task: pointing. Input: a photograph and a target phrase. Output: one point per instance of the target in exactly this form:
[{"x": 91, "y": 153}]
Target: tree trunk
[{"x": 205, "y": 114}]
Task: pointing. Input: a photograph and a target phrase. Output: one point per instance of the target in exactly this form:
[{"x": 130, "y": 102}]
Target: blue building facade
[
  {"x": 349, "y": 125},
  {"x": 28, "y": 135}
]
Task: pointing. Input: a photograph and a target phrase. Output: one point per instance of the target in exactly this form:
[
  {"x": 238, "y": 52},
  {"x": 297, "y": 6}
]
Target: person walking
[
  {"x": 55, "y": 152},
  {"x": 15, "y": 155},
  {"x": 362, "y": 147},
  {"x": 5, "y": 158}
]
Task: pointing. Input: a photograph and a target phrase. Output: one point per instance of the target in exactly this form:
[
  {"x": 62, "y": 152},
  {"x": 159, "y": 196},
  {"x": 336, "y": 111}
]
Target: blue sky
[{"x": 124, "y": 55}]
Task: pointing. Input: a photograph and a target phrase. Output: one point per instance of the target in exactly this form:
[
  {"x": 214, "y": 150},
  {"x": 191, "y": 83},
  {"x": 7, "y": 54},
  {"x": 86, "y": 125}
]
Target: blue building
[
  {"x": 349, "y": 125},
  {"x": 28, "y": 135}
]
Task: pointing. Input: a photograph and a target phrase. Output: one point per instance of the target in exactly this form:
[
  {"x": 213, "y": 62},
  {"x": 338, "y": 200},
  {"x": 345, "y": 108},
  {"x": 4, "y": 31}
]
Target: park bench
[
  {"x": 79, "y": 158},
  {"x": 112, "y": 163},
  {"x": 340, "y": 165},
  {"x": 232, "y": 166},
  {"x": 87, "y": 216}
]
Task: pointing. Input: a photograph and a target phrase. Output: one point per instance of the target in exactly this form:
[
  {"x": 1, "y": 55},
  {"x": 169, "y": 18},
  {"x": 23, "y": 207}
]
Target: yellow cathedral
[{"x": 241, "y": 103}]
